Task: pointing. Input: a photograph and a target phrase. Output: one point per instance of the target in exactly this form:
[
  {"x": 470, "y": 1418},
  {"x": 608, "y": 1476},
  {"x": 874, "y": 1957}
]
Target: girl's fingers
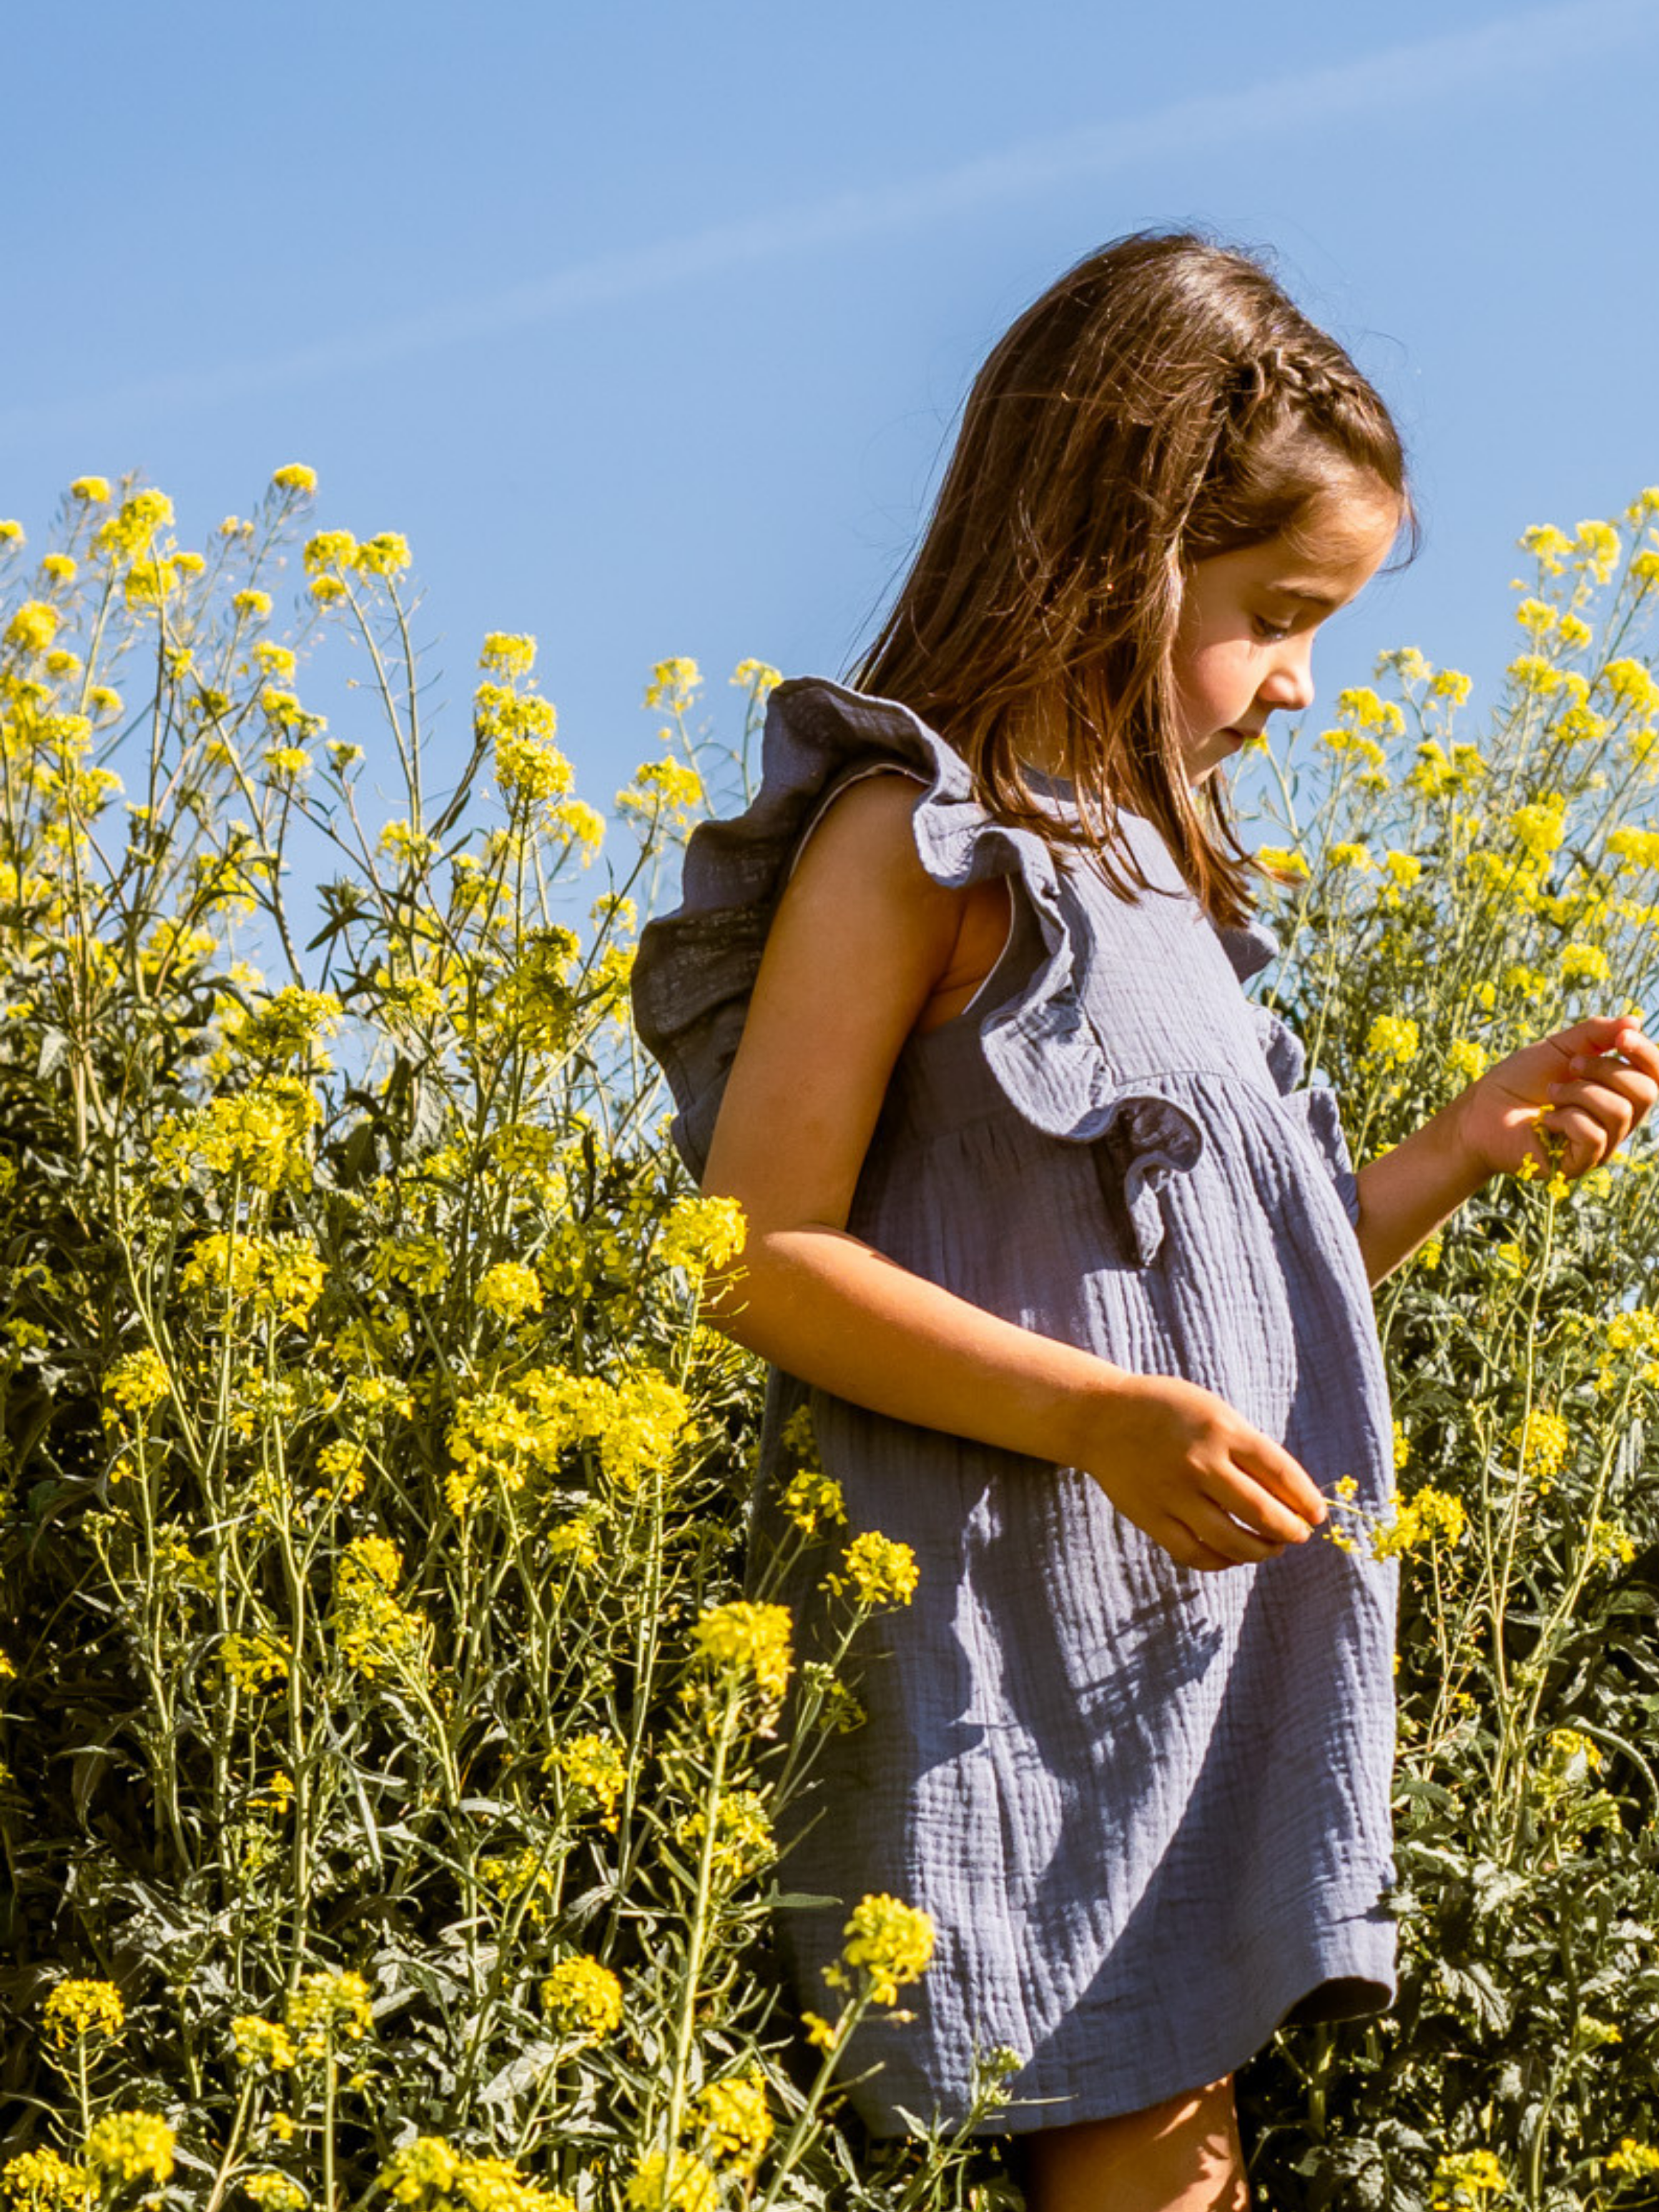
[
  {"x": 1239, "y": 1497},
  {"x": 1236, "y": 1538},
  {"x": 1269, "y": 1465},
  {"x": 1588, "y": 1143},
  {"x": 1188, "y": 1549}
]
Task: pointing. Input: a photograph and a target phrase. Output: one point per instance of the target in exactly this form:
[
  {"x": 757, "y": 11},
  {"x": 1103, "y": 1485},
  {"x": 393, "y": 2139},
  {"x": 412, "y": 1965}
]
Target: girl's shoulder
[{"x": 914, "y": 808}]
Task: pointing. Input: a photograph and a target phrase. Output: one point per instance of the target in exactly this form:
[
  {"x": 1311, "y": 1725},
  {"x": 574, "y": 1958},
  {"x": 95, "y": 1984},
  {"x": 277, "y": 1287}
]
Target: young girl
[{"x": 1072, "y": 1275}]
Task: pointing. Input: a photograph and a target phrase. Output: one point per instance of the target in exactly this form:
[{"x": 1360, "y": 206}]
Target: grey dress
[{"x": 1147, "y": 1808}]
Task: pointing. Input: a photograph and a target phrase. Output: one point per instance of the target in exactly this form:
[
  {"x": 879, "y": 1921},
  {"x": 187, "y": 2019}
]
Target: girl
[{"x": 1072, "y": 1275}]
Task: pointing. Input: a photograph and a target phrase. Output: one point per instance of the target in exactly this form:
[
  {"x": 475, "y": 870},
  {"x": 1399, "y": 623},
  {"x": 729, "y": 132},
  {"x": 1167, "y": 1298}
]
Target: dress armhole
[
  {"x": 859, "y": 775},
  {"x": 892, "y": 768}
]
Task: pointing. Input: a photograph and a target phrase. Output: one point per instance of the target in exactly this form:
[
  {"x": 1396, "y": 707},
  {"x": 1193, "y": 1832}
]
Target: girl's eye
[{"x": 1270, "y": 633}]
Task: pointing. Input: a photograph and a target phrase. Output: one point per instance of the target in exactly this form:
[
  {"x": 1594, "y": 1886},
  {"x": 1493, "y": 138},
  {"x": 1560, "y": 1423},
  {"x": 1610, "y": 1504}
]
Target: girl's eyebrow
[{"x": 1308, "y": 595}]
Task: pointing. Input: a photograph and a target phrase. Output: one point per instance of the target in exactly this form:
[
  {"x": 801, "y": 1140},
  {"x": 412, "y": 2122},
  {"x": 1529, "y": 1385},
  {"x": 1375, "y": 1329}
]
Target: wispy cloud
[{"x": 1479, "y": 62}]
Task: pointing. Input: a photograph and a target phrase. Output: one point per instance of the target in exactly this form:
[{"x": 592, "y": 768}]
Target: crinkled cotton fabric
[{"x": 1146, "y": 1809}]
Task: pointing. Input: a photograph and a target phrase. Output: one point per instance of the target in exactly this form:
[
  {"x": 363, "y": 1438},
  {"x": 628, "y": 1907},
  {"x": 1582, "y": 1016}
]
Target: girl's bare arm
[{"x": 862, "y": 938}]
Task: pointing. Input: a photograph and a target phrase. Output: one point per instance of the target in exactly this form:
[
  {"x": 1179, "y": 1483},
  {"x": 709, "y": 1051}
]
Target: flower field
[{"x": 392, "y": 1757}]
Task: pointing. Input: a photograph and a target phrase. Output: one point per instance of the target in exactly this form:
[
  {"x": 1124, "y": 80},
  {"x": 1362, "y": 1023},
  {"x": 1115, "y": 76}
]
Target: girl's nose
[{"x": 1290, "y": 682}]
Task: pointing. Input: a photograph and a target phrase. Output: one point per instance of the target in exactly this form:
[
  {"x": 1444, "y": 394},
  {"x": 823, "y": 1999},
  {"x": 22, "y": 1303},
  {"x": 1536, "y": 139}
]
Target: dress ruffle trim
[{"x": 697, "y": 967}]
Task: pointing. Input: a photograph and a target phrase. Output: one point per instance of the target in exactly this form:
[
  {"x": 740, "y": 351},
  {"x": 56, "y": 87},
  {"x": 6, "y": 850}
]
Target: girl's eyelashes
[{"x": 1270, "y": 632}]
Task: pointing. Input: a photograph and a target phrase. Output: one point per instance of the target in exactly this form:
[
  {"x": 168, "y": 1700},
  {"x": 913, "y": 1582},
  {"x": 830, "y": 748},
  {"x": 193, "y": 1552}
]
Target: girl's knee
[{"x": 1183, "y": 2154}]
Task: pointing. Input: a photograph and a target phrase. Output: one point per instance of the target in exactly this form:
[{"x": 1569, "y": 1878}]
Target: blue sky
[{"x": 646, "y": 325}]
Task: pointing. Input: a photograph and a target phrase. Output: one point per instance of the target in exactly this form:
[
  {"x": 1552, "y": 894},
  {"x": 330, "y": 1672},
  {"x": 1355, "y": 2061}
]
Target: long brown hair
[{"x": 1163, "y": 402}]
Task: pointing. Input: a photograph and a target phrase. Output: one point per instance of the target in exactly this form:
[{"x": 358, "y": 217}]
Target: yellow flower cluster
[
  {"x": 255, "y": 1663},
  {"x": 1542, "y": 1441},
  {"x": 1633, "y": 2157},
  {"x": 745, "y": 1638},
  {"x": 594, "y": 1765},
  {"x": 687, "y": 2185},
  {"x": 878, "y": 1571},
  {"x": 327, "y": 2009},
  {"x": 376, "y": 1633},
  {"x": 41, "y": 2181},
  {"x": 510, "y": 1291},
  {"x": 673, "y": 684},
  {"x": 1429, "y": 1520},
  {"x": 295, "y": 476},
  {"x": 506, "y": 1436},
  {"x": 130, "y": 532},
  {"x": 137, "y": 1382},
  {"x": 129, "y": 2146},
  {"x": 1467, "y": 2178},
  {"x": 257, "y": 2042},
  {"x": 274, "y": 2192},
  {"x": 583, "y": 1997},
  {"x": 744, "y": 1841},
  {"x": 431, "y": 2175},
  {"x": 90, "y": 2011},
  {"x": 282, "y": 1276},
  {"x": 701, "y": 1233},
  {"x": 758, "y": 678},
  {"x": 261, "y": 1134},
  {"x": 888, "y": 1943},
  {"x": 734, "y": 2122},
  {"x": 1392, "y": 1038}
]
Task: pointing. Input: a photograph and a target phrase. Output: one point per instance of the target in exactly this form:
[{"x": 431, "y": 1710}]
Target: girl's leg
[{"x": 1180, "y": 2156}]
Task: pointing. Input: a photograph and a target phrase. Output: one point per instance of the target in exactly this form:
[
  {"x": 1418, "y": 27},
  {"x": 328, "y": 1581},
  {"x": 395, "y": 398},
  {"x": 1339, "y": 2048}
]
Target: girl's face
[{"x": 1245, "y": 641}]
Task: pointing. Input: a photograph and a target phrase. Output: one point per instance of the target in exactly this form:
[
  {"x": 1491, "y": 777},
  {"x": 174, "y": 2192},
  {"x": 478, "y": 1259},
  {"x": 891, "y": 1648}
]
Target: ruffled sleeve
[
  {"x": 1250, "y": 948},
  {"x": 697, "y": 967}
]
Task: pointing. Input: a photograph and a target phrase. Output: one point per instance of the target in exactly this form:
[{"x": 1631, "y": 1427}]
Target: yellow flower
[
  {"x": 878, "y": 1571},
  {"x": 510, "y": 1291},
  {"x": 61, "y": 568},
  {"x": 89, "y": 2010},
  {"x": 1549, "y": 545},
  {"x": 131, "y": 2146},
  {"x": 1404, "y": 867},
  {"x": 1467, "y": 2178},
  {"x": 508, "y": 653},
  {"x": 1278, "y": 861},
  {"x": 1429, "y": 1520},
  {"x": 41, "y": 2181},
  {"x": 253, "y": 603},
  {"x": 1639, "y": 848},
  {"x": 1393, "y": 1038},
  {"x": 744, "y": 1839},
  {"x": 1598, "y": 546},
  {"x": 135, "y": 1384},
  {"x": 254, "y": 1663},
  {"x": 1584, "y": 964},
  {"x": 1540, "y": 826},
  {"x": 582, "y": 1995},
  {"x": 275, "y": 2192},
  {"x": 1354, "y": 856},
  {"x": 34, "y": 626},
  {"x": 295, "y": 475},
  {"x": 594, "y": 1765},
  {"x": 1631, "y": 685},
  {"x": 386, "y": 554},
  {"x": 742, "y": 1637},
  {"x": 11, "y": 533},
  {"x": 329, "y": 2008},
  {"x": 700, "y": 1234},
  {"x": 736, "y": 2125},
  {"x": 130, "y": 531},
  {"x": 262, "y": 2043},
  {"x": 687, "y": 2186},
  {"x": 1466, "y": 1061},
  {"x": 94, "y": 490},
  {"x": 758, "y": 677},
  {"x": 1633, "y": 2157},
  {"x": 1542, "y": 1440},
  {"x": 1537, "y": 616},
  {"x": 673, "y": 682},
  {"x": 889, "y": 1943},
  {"x": 330, "y": 549}
]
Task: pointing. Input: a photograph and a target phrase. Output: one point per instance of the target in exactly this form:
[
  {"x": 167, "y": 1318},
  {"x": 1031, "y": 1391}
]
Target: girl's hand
[
  {"x": 1590, "y": 1086},
  {"x": 1196, "y": 1477}
]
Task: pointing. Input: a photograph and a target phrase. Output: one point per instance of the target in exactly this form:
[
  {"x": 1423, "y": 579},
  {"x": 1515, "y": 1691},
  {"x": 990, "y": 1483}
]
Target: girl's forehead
[{"x": 1335, "y": 548}]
